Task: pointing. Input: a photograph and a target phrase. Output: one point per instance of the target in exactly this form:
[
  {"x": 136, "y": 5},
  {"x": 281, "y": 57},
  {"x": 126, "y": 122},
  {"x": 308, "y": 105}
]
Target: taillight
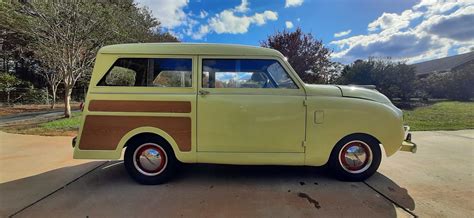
[{"x": 81, "y": 106}]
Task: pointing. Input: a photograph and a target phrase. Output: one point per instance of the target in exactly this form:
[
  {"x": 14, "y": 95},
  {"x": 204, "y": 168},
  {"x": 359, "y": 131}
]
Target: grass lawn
[
  {"x": 449, "y": 115},
  {"x": 63, "y": 124},
  {"x": 59, "y": 127}
]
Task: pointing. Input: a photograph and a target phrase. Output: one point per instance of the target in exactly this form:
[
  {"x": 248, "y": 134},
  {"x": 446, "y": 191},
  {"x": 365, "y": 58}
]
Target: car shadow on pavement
[
  {"x": 200, "y": 190},
  {"x": 391, "y": 190}
]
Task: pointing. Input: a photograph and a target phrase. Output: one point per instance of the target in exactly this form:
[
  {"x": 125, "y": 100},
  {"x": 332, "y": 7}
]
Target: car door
[{"x": 249, "y": 105}]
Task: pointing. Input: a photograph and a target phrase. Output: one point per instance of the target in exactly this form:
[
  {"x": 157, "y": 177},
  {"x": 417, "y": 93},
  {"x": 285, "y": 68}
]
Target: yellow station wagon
[{"x": 228, "y": 104}]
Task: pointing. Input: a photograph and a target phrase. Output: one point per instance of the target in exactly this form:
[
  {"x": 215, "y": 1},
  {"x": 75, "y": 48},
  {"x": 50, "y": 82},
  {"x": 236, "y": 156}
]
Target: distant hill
[{"x": 443, "y": 64}]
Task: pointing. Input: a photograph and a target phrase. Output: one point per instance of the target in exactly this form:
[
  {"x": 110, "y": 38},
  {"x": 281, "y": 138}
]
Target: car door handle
[{"x": 203, "y": 92}]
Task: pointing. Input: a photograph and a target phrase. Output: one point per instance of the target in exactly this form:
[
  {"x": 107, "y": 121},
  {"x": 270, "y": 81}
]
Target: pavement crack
[
  {"x": 460, "y": 136},
  {"x": 392, "y": 201},
  {"x": 60, "y": 188}
]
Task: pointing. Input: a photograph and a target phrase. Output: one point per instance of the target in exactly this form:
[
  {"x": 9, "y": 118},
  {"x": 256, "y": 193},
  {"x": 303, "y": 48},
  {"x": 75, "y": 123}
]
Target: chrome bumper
[{"x": 407, "y": 144}]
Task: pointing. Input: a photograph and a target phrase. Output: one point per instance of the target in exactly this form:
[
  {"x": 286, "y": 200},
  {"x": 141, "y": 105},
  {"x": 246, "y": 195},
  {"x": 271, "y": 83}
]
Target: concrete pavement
[
  {"x": 439, "y": 176},
  {"x": 32, "y": 167},
  {"x": 437, "y": 181}
]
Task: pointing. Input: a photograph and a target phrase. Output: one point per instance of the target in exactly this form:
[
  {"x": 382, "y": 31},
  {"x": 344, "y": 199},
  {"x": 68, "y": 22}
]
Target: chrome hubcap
[
  {"x": 355, "y": 157},
  {"x": 150, "y": 159}
]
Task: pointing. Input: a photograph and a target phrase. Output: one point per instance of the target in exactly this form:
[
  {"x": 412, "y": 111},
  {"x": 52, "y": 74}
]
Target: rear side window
[
  {"x": 155, "y": 72},
  {"x": 171, "y": 72},
  {"x": 126, "y": 72}
]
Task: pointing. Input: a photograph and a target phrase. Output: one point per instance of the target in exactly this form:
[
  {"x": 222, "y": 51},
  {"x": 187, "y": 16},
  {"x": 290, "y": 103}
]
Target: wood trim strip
[
  {"x": 140, "y": 106},
  {"x": 105, "y": 132}
]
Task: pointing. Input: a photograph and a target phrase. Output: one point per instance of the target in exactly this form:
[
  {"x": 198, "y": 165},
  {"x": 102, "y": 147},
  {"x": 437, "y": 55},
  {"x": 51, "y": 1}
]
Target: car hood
[
  {"x": 322, "y": 90},
  {"x": 364, "y": 93}
]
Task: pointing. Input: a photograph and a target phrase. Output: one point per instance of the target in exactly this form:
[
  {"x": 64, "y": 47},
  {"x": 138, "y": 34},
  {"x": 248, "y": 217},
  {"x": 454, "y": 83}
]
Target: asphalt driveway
[
  {"x": 31, "y": 117},
  {"x": 39, "y": 178}
]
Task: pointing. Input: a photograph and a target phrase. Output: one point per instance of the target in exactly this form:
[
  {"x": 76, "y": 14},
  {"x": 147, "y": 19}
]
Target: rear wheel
[
  {"x": 150, "y": 160},
  {"x": 355, "y": 158}
]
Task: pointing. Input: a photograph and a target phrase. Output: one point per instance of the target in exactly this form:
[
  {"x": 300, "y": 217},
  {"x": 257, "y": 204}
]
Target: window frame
[
  {"x": 110, "y": 59},
  {"x": 104, "y": 76},
  {"x": 299, "y": 90},
  {"x": 147, "y": 75},
  {"x": 151, "y": 76}
]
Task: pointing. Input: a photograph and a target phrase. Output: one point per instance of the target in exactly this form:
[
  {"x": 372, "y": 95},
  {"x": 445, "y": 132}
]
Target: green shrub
[
  {"x": 460, "y": 84},
  {"x": 393, "y": 79},
  {"x": 32, "y": 96},
  {"x": 455, "y": 85}
]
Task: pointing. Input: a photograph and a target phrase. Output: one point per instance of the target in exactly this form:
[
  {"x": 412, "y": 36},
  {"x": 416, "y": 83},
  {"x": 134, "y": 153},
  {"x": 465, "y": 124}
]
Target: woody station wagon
[{"x": 167, "y": 103}]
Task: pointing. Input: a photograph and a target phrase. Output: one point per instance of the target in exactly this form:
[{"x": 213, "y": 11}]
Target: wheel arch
[
  {"x": 156, "y": 132},
  {"x": 361, "y": 135},
  {"x": 366, "y": 135}
]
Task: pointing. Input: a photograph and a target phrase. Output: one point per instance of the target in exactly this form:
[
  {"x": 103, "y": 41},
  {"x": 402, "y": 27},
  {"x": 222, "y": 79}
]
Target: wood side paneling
[
  {"x": 140, "y": 106},
  {"x": 104, "y": 132}
]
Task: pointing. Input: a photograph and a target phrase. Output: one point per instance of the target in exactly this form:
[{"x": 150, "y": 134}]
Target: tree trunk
[
  {"x": 67, "y": 101},
  {"x": 53, "y": 100},
  {"x": 8, "y": 98},
  {"x": 4, "y": 64}
]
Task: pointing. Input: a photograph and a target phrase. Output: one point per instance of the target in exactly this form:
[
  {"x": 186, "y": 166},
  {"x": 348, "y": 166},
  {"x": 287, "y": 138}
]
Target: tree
[
  {"x": 53, "y": 79},
  {"x": 455, "y": 84},
  {"x": 66, "y": 35},
  {"x": 307, "y": 55},
  {"x": 394, "y": 79},
  {"x": 460, "y": 83},
  {"x": 333, "y": 73},
  {"x": 360, "y": 72},
  {"x": 8, "y": 83},
  {"x": 12, "y": 42}
]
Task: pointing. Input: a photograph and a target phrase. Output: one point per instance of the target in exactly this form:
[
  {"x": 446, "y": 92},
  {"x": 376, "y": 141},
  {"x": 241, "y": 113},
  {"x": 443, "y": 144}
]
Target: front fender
[{"x": 332, "y": 118}]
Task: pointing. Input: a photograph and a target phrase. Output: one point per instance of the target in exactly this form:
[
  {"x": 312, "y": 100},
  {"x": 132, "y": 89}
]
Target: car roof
[{"x": 188, "y": 49}]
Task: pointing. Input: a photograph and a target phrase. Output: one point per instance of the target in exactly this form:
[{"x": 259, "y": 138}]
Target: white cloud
[
  {"x": 432, "y": 7},
  {"x": 203, "y": 30},
  {"x": 169, "y": 12},
  {"x": 228, "y": 22},
  {"x": 176, "y": 34},
  {"x": 243, "y": 7},
  {"x": 465, "y": 49},
  {"x": 394, "y": 22},
  {"x": 203, "y": 14},
  {"x": 233, "y": 20},
  {"x": 261, "y": 18},
  {"x": 293, "y": 3},
  {"x": 342, "y": 33},
  {"x": 289, "y": 24},
  {"x": 428, "y": 30},
  {"x": 457, "y": 26}
]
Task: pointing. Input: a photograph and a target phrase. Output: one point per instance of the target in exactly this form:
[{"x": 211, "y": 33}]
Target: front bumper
[{"x": 407, "y": 144}]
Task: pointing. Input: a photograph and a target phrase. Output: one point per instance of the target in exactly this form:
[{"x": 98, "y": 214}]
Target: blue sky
[{"x": 411, "y": 30}]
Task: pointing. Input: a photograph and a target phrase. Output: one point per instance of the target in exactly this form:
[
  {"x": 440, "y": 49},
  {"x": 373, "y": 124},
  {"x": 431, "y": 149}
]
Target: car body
[{"x": 226, "y": 104}]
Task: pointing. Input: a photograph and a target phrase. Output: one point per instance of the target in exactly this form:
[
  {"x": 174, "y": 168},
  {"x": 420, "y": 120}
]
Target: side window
[
  {"x": 244, "y": 73},
  {"x": 155, "y": 72},
  {"x": 281, "y": 77},
  {"x": 126, "y": 72},
  {"x": 172, "y": 72}
]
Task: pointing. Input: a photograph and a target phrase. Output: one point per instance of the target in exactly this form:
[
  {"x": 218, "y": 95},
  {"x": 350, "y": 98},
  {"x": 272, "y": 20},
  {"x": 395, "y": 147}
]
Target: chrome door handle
[{"x": 203, "y": 92}]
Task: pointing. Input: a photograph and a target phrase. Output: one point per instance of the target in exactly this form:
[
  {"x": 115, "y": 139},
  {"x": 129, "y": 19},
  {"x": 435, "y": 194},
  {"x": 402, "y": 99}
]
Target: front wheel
[
  {"x": 355, "y": 158},
  {"x": 150, "y": 161}
]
